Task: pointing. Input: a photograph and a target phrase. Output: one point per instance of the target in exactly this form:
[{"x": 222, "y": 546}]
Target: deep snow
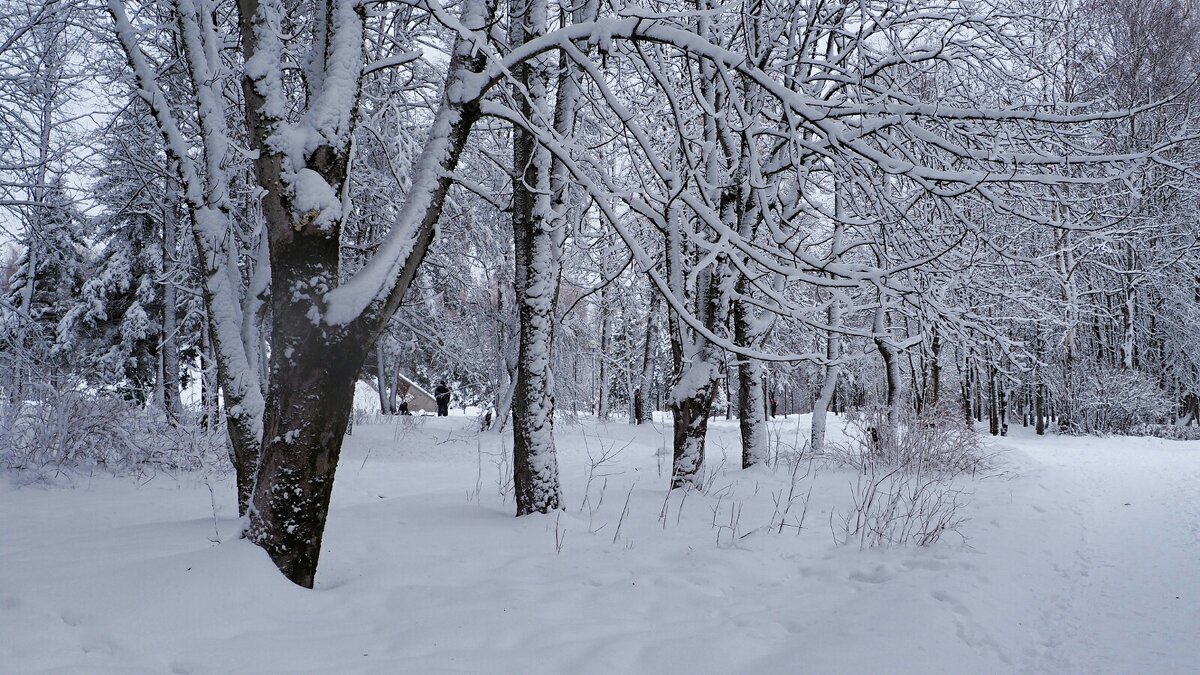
[{"x": 1081, "y": 556}]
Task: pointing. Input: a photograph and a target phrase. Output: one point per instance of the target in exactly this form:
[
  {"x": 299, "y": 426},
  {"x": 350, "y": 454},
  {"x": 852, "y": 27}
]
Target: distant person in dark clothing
[
  {"x": 774, "y": 406},
  {"x": 442, "y": 394},
  {"x": 637, "y": 406},
  {"x": 403, "y": 408}
]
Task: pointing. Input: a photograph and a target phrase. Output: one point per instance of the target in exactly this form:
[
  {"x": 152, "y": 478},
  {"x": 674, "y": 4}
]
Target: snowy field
[{"x": 1079, "y": 555}]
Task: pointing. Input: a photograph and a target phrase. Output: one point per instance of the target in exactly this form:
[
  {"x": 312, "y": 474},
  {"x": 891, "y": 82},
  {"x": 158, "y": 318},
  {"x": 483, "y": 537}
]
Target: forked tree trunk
[{"x": 315, "y": 362}]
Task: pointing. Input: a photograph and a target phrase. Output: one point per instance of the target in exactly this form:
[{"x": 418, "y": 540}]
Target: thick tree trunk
[
  {"x": 752, "y": 400},
  {"x": 690, "y": 415},
  {"x": 308, "y": 410},
  {"x": 316, "y": 358},
  {"x": 752, "y": 416},
  {"x": 537, "y": 268},
  {"x": 535, "y": 466}
]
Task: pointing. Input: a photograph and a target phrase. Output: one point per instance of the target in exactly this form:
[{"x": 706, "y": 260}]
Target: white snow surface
[{"x": 1083, "y": 556}]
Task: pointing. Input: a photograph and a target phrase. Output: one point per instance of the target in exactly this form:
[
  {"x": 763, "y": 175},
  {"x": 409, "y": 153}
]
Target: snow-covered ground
[{"x": 1081, "y": 556}]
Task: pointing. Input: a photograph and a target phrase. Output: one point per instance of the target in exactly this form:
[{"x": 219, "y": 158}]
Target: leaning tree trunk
[
  {"x": 321, "y": 338},
  {"x": 308, "y": 410}
]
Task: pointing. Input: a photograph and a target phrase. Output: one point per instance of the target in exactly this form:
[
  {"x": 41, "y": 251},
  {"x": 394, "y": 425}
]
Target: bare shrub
[
  {"x": 907, "y": 490},
  {"x": 65, "y": 432},
  {"x": 937, "y": 440},
  {"x": 1113, "y": 401},
  {"x": 1171, "y": 432},
  {"x": 910, "y": 504}
]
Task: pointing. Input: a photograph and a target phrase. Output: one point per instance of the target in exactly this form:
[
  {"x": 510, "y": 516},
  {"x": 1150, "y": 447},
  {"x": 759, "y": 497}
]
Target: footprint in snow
[{"x": 878, "y": 575}]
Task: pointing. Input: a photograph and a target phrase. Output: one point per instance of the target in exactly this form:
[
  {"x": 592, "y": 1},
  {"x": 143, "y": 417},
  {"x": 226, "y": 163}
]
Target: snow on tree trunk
[
  {"x": 752, "y": 415},
  {"x": 170, "y": 341},
  {"x": 690, "y": 414},
  {"x": 751, "y": 383},
  {"x": 313, "y": 372},
  {"x": 535, "y": 282},
  {"x": 891, "y": 364},
  {"x": 833, "y": 347},
  {"x": 381, "y": 378},
  {"x": 649, "y": 350},
  {"x": 322, "y": 331}
]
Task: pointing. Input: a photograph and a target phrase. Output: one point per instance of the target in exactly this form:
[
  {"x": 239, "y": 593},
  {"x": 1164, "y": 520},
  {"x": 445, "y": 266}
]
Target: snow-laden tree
[{"x": 765, "y": 166}]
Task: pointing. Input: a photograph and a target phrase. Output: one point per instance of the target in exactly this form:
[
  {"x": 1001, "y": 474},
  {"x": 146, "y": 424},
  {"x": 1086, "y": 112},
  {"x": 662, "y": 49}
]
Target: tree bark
[
  {"x": 170, "y": 341},
  {"x": 891, "y": 364},
  {"x": 535, "y": 282}
]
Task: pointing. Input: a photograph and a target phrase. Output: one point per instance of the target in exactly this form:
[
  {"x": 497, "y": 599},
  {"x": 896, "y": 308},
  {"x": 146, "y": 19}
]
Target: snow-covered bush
[
  {"x": 908, "y": 489},
  {"x": 937, "y": 439},
  {"x": 1173, "y": 432},
  {"x": 71, "y": 431},
  {"x": 1113, "y": 401}
]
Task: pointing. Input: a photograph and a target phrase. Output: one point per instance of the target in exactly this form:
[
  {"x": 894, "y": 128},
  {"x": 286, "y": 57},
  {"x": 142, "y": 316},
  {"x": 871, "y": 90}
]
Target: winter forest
[{"x": 801, "y": 335}]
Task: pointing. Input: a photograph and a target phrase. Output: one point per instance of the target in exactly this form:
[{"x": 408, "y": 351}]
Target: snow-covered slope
[{"x": 1081, "y": 555}]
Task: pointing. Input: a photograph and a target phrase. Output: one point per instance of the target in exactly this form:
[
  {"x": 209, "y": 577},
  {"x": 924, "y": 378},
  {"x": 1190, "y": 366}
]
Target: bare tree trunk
[
  {"x": 315, "y": 363},
  {"x": 752, "y": 399},
  {"x": 170, "y": 341},
  {"x": 967, "y": 386},
  {"x": 649, "y": 351},
  {"x": 602, "y": 394},
  {"x": 690, "y": 415},
  {"x": 1129, "y": 312},
  {"x": 1039, "y": 407},
  {"x": 381, "y": 376},
  {"x": 993, "y": 402},
  {"x": 935, "y": 368},
  {"x": 537, "y": 265},
  {"x": 891, "y": 364},
  {"x": 833, "y": 342}
]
